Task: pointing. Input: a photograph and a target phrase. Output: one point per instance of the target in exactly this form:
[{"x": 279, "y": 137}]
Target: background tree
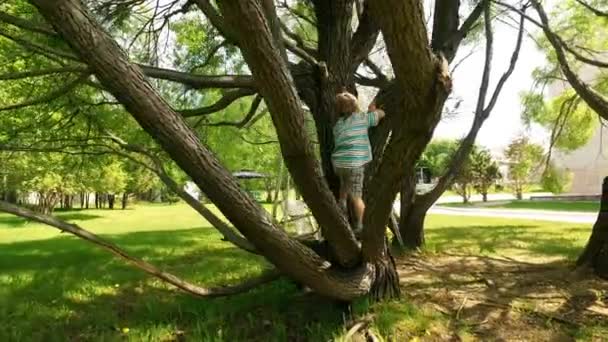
[
  {"x": 524, "y": 160},
  {"x": 484, "y": 172},
  {"x": 437, "y": 156},
  {"x": 556, "y": 181}
]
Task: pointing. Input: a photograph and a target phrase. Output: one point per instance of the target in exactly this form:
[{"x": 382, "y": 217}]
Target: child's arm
[{"x": 379, "y": 112}]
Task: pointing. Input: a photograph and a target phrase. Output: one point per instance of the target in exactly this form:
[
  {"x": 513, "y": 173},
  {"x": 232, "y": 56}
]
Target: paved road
[
  {"x": 491, "y": 197},
  {"x": 542, "y": 215},
  {"x": 525, "y": 214}
]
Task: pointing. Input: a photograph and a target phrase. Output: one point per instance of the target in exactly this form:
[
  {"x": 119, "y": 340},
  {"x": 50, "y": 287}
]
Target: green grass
[
  {"x": 583, "y": 206},
  {"x": 54, "y": 287},
  {"x": 522, "y": 239}
]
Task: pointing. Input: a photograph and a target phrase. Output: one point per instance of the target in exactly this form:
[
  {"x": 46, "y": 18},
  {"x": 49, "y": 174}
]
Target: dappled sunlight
[
  {"x": 61, "y": 283},
  {"x": 529, "y": 239}
]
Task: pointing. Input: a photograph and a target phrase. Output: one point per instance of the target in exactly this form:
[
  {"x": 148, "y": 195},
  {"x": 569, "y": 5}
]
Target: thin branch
[
  {"x": 376, "y": 70},
  {"x": 210, "y": 56},
  {"x": 139, "y": 263},
  {"x": 296, "y": 38},
  {"x": 198, "y": 81},
  {"x": 44, "y": 72},
  {"x": 595, "y": 11},
  {"x": 48, "y": 97},
  {"x": 26, "y": 24},
  {"x": 296, "y": 50},
  {"x": 226, "y": 100},
  {"x": 505, "y": 76},
  {"x": 544, "y": 25},
  {"x": 268, "y": 142},
  {"x": 216, "y": 20},
  {"x": 46, "y": 51},
  {"x": 594, "y": 100},
  {"x": 240, "y": 124}
]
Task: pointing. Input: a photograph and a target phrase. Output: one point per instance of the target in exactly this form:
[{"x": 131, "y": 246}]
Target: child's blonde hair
[{"x": 346, "y": 104}]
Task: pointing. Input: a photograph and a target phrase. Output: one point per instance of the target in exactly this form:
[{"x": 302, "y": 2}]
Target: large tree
[{"x": 86, "y": 44}]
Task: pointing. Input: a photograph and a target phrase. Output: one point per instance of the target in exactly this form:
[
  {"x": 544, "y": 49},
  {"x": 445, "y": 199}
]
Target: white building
[{"x": 588, "y": 164}]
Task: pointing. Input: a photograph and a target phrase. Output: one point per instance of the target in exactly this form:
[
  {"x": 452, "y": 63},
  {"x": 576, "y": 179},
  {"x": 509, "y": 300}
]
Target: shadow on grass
[
  {"x": 530, "y": 239},
  {"x": 18, "y": 222},
  {"x": 66, "y": 289}
]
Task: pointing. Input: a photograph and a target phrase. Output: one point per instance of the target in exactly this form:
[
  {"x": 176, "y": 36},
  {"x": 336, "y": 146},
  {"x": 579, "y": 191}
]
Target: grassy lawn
[
  {"x": 583, "y": 206},
  {"x": 54, "y": 287}
]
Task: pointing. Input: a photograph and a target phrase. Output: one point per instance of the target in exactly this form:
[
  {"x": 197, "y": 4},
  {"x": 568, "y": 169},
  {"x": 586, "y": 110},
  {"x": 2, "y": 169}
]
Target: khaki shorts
[{"x": 351, "y": 180}]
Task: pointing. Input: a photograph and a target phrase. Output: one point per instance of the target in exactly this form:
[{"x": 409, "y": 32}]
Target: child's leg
[
  {"x": 357, "y": 196},
  {"x": 344, "y": 186},
  {"x": 359, "y": 211}
]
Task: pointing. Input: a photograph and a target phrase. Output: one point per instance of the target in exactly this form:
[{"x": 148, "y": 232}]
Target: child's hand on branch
[{"x": 372, "y": 107}]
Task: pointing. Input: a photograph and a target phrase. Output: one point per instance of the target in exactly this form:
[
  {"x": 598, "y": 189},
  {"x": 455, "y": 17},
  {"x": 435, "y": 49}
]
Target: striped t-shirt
[{"x": 352, "y": 148}]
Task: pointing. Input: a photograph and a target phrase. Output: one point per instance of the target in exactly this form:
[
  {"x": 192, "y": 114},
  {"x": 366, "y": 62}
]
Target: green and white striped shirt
[{"x": 352, "y": 148}]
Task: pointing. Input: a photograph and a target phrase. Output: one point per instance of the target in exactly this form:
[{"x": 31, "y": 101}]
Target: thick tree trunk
[
  {"x": 595, "y": 254},
  {"x": 86, "y": 202},
  {"x": 125, "y": 199},
  {"x": 412, "y": 228},
  {"x": 484, "y": 196}
]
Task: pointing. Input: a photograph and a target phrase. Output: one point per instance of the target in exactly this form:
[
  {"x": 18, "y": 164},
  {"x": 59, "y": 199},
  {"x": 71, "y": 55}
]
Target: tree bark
[
  {"x": 595, "y": 254},
  {"x": 412, "y": 223}
]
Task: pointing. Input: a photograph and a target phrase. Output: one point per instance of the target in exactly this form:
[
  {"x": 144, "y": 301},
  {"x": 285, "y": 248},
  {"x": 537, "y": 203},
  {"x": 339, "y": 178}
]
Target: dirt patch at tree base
[{"x": 500, "y": 299}]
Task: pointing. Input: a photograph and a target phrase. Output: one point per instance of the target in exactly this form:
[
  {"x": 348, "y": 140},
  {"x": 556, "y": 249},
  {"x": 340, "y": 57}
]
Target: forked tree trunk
[{"x": 595, "y": 254}]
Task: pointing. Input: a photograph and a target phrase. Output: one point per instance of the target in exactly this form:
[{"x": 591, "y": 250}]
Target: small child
[{"x": 352, "y": 150}]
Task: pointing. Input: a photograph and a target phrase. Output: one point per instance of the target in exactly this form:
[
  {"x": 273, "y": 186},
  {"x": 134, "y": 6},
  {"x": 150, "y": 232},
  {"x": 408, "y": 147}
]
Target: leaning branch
[
  {"x": 26, "y": 24},
  {"x": 594, "y": 100},
  {"x": 48, "y": 97},
  {"x": 226, "y": 100},
  {"x": 595, "y": 11},
  {"x": 39, "y": 73},
  {"x": 198, "y": 81},
  {"x": 240, "y": 124},
  {"x": 559, "y": 40},
  {"x": 139, "y": 263}
]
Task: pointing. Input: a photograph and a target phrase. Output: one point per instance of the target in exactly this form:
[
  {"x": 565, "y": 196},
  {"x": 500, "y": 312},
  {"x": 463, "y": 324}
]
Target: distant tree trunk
[
  {"x": 519, "y": 194},
  {"x": 125, "y": 199},
  {"x": 96, "y": 200},
  {"x": 111, "y": 199},
  {"x": 484, "y": 196},
  {"x": 595, "y": 254},
  {"x": 86, "y": 202},
  {"x": 12, "y": 196}
]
